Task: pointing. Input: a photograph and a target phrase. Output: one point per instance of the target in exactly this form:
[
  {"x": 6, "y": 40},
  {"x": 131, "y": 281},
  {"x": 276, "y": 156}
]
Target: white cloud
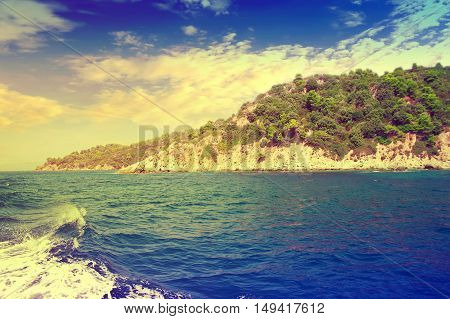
[
  {"x": 349, "y": 19},
  {"x": 414, "y": 17},
  {"x": 19, "y": 110},
  {"x": 352, "y": 18},
  {"x": 229, "y": 37},
  {"x": 19, "y": 34},
  {"x": 359, "y": 2},
  {"x": 189, "y": 30},
  {"x": 130, "y": 40},
  {"x": 191, "y": 6},
  {"x": 218, "y": 6}
]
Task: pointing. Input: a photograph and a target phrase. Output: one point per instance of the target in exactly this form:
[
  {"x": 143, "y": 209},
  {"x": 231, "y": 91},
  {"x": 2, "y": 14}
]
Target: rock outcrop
[{"x": 189, "y": 157}]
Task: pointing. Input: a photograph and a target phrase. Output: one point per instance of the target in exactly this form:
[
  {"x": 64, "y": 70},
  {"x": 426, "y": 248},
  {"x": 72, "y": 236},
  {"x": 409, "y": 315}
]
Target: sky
[{"x": 79, "y": 73}]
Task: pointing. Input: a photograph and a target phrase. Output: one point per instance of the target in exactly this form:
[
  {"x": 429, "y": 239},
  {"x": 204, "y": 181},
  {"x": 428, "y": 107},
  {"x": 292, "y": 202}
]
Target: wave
[{"x": 37, "y": 260}]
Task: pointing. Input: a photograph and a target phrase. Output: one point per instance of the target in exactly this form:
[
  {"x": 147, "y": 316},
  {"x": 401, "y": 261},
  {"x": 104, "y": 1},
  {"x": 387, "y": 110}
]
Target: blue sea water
[{"x": 225, "y": 235}]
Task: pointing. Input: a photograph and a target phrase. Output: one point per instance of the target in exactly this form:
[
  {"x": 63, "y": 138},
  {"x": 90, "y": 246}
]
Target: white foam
[
  {"x": 29, "y": 270},
  {"x": 141, "y": 292}
]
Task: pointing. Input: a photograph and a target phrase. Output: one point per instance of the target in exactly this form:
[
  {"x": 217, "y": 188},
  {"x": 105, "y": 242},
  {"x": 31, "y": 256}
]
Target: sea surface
[{"x": 225, "y": 235}]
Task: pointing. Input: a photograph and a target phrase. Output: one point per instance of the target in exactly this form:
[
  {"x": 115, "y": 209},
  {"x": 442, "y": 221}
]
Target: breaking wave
[{"x": 38, "y": 260}]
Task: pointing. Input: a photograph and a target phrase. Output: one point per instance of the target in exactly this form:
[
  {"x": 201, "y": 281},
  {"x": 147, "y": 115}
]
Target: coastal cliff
[
  {"x": 189, "y": 157},
  {"x": 359, "y": 120}
]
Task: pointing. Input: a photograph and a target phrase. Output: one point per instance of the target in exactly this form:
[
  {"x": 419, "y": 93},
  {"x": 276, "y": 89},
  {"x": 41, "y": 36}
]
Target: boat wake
[{"x": 38, "y": 260}]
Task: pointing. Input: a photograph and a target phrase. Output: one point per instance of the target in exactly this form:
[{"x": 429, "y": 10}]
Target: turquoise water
[{"x": 225, "y": 235}]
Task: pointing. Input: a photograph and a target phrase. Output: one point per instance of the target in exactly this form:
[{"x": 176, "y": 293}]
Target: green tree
[
  {"x": 299, "y": 82},
  {"x": 311, "y": 84},
  {"x": 430, "y": 100},
  {"x": 313, "y": 101},
  {"x": 424, "y": 123},
  {"x": 356, "y": 138}
]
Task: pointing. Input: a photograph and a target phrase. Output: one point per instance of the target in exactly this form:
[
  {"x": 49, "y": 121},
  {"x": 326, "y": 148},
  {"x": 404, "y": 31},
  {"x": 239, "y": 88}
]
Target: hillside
[
  {"x": 108, "y": 157},
  {"x": 358, "y": 120}
]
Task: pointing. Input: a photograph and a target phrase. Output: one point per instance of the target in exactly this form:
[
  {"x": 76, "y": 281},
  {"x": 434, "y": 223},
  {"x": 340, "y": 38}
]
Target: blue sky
[
  {"x": 311, "y": 23},
  {"x": 198, "y": 59}
]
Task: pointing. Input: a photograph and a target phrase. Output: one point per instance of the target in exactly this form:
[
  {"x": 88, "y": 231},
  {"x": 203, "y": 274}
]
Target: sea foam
[{"x": 37, "y": 262}]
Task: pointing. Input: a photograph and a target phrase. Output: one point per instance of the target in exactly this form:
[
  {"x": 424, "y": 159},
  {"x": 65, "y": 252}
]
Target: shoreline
[{"x": 374, "y": 170}]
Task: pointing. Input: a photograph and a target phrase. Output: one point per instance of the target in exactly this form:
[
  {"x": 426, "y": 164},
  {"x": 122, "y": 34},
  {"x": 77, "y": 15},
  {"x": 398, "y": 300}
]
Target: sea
[{"x": 225, "y": 235}]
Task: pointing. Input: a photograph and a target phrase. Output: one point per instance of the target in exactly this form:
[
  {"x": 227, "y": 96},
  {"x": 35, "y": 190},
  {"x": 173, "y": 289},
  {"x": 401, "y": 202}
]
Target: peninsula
[{"x": 359, "y": 120}]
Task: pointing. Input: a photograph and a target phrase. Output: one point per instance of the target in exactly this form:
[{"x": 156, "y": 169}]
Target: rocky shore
[{"x": 296, "y": 157}]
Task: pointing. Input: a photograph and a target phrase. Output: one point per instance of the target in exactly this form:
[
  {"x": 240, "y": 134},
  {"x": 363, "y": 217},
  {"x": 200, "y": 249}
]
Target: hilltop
[{"x": 358, "y": 120}]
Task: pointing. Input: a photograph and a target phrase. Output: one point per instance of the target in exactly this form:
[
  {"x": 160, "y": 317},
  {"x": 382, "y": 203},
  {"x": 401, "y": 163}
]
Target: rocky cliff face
[{"x": 179, "y": 157}]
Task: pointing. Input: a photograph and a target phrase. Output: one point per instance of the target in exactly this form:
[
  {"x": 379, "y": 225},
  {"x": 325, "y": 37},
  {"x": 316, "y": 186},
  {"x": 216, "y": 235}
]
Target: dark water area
[{"x": 226, "y": 235}]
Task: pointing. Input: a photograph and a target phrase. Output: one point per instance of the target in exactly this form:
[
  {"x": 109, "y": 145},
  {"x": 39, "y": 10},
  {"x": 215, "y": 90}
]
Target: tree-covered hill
[
  {"x": 337, "y": 113},
  {"x": 355, "y": 110}
]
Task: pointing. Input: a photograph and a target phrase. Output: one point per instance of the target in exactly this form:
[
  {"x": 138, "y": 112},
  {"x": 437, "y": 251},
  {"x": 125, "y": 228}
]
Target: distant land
[{"x": 359, "y": 120}]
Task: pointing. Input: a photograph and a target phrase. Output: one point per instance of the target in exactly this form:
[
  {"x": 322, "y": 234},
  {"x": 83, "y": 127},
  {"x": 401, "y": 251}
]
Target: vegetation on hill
[
  {"x": 334, "y": 112},
  {"x": 355, "y": 110},
  {"x": 108, "y": 156}
]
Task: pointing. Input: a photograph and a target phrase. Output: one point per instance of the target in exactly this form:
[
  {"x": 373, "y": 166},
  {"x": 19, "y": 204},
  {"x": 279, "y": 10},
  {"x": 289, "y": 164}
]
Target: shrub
[
  {"x": 430, "y": 100},
  {"x": 391, "y": 130},
  {"x": 320, "y": 139},
  {"x": 313, "y": 101},
  {"x": 373, "y": 127},
  {"x": 311, "y": 84},
  {"x": 251, "y": 133},
  {"x": 383, "y": 140},
  {"x": 264, "y": 142},
  {"x": 402, "y": 118},
  {"x": 356, "y": 138},
  {"x": 422, "y": 124},
  {"x": 299, "y": 82},
  {"x": 207, "y": 128},
  {"x": 425, "y": 144},
  {"x": 209, "y": 152}
]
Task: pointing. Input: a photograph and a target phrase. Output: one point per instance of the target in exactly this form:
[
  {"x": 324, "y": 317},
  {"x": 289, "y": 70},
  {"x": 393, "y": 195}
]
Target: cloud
[
  {"x": 193, "y": 83},
  {"x": 189, "y": 30},
  {"x": 204, "y": 83},
  {"x": 218, "y": 6},
  {"x": 348, "y": 19},
  {"x": 19, "y": 110},
  {"x": 413, "y": 18},
  {"x": 192, "y": 6},
  {"x": 127, "y": 39},
  {"x": 358, "y": 2},
  {"x": 199, "y": 84},
  {"x": 229, "y": 37},
  {"x": 352, "y": 18},
  {"x": 18, "y": 34}
]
